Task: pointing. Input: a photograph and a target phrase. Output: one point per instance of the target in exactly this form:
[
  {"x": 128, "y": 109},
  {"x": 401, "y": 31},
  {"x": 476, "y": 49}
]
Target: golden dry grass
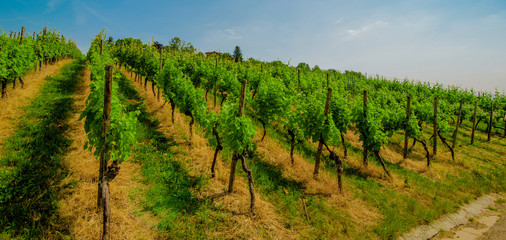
[
  {"x": 362, "y": 213},
  {"x": 78, "y": 207},
  {"x": 12, "y": 104},
  {"x": 197, "y": 158}
]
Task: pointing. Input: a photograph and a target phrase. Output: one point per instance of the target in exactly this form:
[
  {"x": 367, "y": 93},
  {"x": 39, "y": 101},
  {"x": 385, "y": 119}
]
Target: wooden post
[
  {"x": 328, "y": 83},
  {"x": 33, "y": 36},
  {"x": 490, "y": 120},
  {"x": 106, "y": 213},
  {"x": 408, "y": 113},
  {"x": 102, "y": 47},
  {"x": 320, "y": 143},
  {"x": 22, "y": 35},
  {"x": 365, "y": 151},
  {"x": 457, "y": 127},
  {"x": 106, "y": 121},
  {"x": 434, "y": 139},
  {"x": 298, "y": 76},
  {"x": 474, "y": 122},
  {"x": 160, "y": 70},
  {"x": 10, "y": 36},
  {"x": 236, "y": 156}
]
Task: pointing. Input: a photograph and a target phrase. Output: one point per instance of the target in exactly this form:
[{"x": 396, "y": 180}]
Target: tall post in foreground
[
  {"x": 365, "y": 152},
  {"x": 320, "y": 143},
  {"x": 103, "y": 188},
  {"x": 474, "y": 123},
  {"x": 457, "y": 127},
  {"x": 434, "y": 137},
  {"x": 235, "y": 158},
  {"x": 490, "y": 121},
  {"x": 106, "y": 122},
  {"x": 408, "y": 113}
]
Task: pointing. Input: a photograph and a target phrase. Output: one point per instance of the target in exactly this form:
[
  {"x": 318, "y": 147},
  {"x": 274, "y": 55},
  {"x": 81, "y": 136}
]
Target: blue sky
[{"x": 451, "y": 42}]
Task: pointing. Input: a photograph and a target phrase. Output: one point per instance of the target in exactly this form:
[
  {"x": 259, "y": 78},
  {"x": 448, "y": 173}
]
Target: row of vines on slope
[
  {"x": 21, "y": 54},
  {"x": 317, "y": 106},
  {"x": 110, "y": 128}
]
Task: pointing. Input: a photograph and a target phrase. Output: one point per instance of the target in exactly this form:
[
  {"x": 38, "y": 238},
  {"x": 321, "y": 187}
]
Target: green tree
[
  {"x": 237, "y": 54},
  {"x": 226, "y": 56}
]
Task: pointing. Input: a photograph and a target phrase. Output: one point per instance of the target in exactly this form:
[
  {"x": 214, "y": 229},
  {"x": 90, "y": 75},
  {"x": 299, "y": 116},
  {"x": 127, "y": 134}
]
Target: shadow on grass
[{"x": 33, "y": 165}]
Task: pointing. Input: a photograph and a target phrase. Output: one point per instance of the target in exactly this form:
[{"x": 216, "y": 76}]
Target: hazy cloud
[
  {"x": 52, "y": 5},
  {"x": 81, "y": 15},
  {"x": 357, "y": 32}
]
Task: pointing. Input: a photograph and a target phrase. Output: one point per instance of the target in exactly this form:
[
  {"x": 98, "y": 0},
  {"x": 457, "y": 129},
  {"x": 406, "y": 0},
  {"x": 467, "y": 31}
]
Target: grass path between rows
[
  {"x": 12, "y": 104},
  {"x": 78, "y": 207},
  {"x": 31, "y": 166},
  {"x": 229, "y": 210}
]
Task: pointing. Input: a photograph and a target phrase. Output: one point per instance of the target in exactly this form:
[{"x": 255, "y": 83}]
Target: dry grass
[
  {"x": 197, "y": 158},
  {"x": 362, "y": 213},
  {"x": 12, "y": 104},
  {"x": 78, "y": 207}
]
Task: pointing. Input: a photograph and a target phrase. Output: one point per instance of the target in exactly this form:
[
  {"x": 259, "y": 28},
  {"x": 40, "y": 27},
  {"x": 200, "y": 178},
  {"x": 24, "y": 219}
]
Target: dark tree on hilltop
[
  {"x": 226, "y": 56},
  {"x": 176, "y": 44},
  {"x": 237, "y": 54},
  {"x": 157, "y": 45},
  {"x": 304, "y": 66},
  {"x": 110, "y": 40}
]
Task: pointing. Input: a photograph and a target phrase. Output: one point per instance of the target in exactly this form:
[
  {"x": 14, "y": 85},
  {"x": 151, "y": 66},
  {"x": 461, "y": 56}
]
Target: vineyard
[{"x": 142, "y": 141}]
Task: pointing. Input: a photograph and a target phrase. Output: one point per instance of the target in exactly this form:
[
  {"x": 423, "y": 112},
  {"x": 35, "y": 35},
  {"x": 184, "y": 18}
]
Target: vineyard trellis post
[
  {"x": 298, "y": 76},
  {"x": 434, "y": 137},
  {"x": 408, "y": 112},
  {"x": 490, "y": 120},
  {"x": 160, "y": 69},
  {"x": 22, "y": 34},
  {"x": 103, "y": 187},
  {"x": 365, "y": 152},
  {"x": 102, "y": 47},
  {"x": 234, "y": 158},
  {"x": 320, "y": 143},
  {"x": 474, "y": 123},
  {"x": 458, "y": 125},
  {"x": 106, "y": 121}
]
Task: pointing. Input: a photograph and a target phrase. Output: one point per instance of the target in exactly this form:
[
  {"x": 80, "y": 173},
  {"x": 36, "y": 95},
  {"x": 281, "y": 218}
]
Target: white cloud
[
  {"x": 226, "y": 34},
  {"x": 82, "y": 10},
  {"x": 355, "y": 33},
  {"x": 232, "y": 34},
  {"x": 52, "y": 5}
]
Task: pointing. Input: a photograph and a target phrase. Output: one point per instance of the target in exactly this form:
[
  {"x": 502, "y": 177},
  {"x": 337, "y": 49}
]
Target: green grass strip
[{"x": 32, "y": 167}]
